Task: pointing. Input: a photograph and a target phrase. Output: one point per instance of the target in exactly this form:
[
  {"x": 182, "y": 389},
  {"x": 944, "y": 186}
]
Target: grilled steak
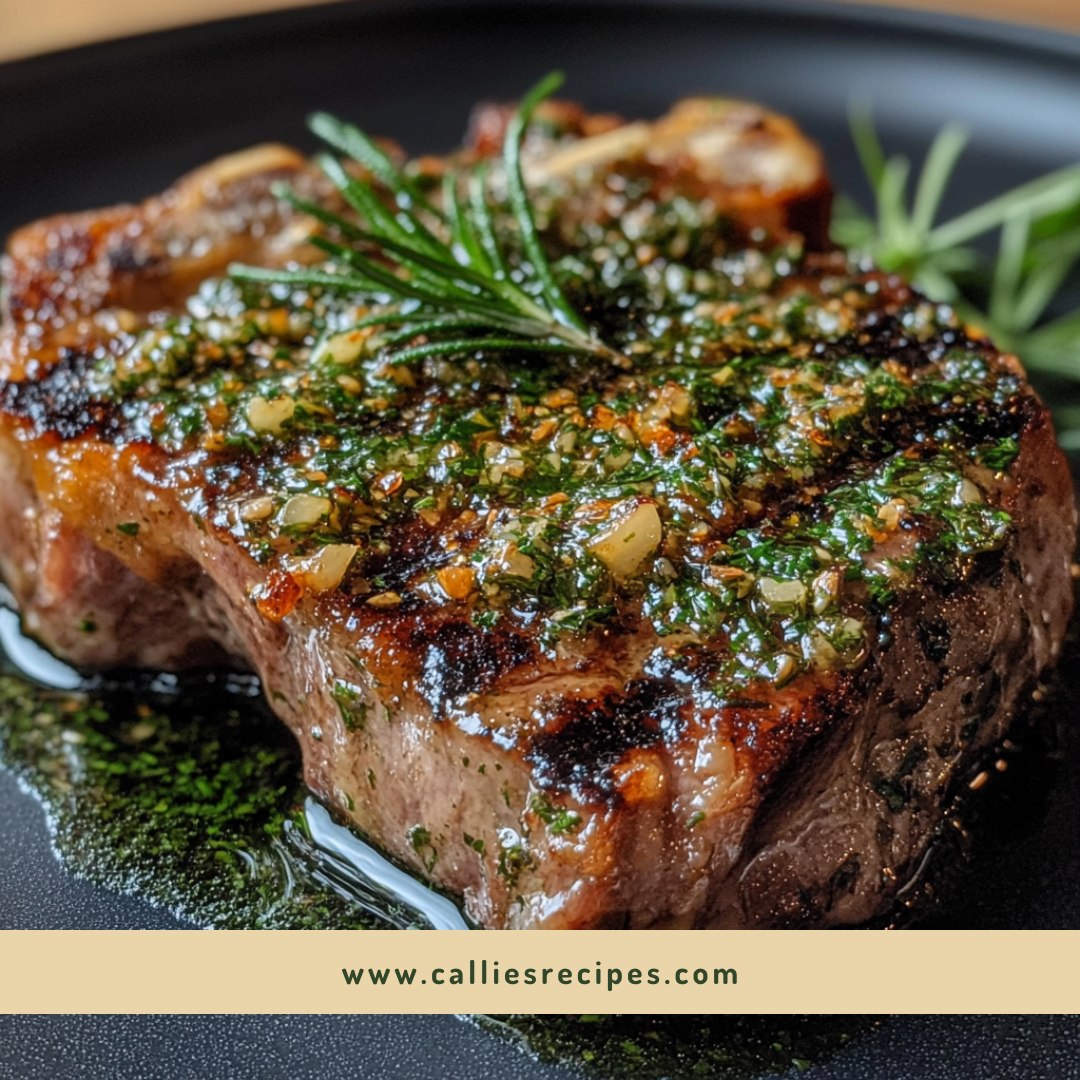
[{"x": 708, "y": 636}]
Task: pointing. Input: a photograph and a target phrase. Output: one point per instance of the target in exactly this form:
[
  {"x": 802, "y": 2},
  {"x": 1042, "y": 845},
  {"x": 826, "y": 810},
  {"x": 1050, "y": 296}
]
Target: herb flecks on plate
[
  {"x": 191, "y": 801},
  {"x": 682, "y": 1047}
]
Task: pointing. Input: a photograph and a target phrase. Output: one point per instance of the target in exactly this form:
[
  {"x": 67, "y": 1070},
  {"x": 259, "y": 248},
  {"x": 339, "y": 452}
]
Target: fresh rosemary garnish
[
  {"x": 1038, "y": 248},
  {"x": 457, "y": 288}
]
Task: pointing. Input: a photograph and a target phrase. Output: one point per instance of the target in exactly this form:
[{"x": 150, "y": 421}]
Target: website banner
[{"x": 552, "y": 972}]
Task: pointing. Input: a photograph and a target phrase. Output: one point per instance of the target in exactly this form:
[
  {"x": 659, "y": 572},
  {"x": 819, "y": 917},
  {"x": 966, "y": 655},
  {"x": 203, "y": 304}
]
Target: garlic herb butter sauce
[{"x": 779, "y": 459}]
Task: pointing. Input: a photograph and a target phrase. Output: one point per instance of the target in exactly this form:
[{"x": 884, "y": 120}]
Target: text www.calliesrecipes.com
[{"x": 491, "y": 973}]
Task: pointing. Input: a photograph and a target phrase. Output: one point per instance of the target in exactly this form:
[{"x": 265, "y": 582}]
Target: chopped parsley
[{"x": 559, "y": 820}]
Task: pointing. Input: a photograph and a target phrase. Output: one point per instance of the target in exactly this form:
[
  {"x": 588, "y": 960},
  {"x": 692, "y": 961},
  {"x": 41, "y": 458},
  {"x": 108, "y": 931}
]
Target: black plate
[{"x": 121, "y": 120}]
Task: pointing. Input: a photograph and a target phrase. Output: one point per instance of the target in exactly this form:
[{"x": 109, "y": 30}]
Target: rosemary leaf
[
  {"x": 437, "y": 325},
  {"x": 519, "y": 198},
  {"x": 944, "y": 153},
  {"x": 1038, "y": 249},
  {"x": 327, "y": 217},
  {"x": 484, "y": 224},
  {"x": 448, "y": 263},
  {"x": 472, "y": 345},
  {"x": 1055, "y": 191},
  {"x": 462, "y": 230},
  {"x": 354, "y": 143}
]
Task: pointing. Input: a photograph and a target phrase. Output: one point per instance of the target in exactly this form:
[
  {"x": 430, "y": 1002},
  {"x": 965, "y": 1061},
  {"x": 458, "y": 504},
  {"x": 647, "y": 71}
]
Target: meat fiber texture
[{"x": 466, "y": 752}]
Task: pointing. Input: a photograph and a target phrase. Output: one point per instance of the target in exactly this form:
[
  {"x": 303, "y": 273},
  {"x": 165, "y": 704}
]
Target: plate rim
[{"x": 1007, "y": 37}]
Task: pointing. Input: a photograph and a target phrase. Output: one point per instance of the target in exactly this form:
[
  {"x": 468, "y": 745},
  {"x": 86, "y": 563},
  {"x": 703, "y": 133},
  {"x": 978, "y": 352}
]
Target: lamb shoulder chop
[{"x": 703, "y": 628}]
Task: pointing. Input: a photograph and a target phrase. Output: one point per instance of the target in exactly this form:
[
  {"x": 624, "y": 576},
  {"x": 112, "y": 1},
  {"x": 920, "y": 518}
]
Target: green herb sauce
[
  {"x": 682, "y": 1047},
  {"x": 567, "y": 494},
  {"x": 191, "y": 800}
]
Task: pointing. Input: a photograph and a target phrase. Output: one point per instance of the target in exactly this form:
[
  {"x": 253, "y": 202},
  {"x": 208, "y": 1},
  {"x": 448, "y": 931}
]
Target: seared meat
[{"x": 710, "y": 638}]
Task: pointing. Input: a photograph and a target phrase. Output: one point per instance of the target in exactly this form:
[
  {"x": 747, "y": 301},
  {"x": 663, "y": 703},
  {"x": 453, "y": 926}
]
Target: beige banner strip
[{"x": 555, "y": 971}]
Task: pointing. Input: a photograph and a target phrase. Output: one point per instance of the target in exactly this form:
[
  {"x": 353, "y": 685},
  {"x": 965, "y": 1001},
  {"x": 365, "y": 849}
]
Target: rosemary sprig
[
  {"x": 447, "y": 265},
  {"x": 1038, "y": 249}
]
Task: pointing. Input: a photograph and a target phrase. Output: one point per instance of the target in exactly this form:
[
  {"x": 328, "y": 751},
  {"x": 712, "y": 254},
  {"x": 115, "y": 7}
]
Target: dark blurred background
[{"x": 29, "y": 27}]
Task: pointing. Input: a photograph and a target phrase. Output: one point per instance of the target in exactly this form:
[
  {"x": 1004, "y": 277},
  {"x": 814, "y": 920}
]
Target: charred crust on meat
[
  {"x": 581, "y": 740},
  {"x": 58, "y": 401},
  {"x": 935, "y": 636},
  {"x": 129, "y": 258},
  {"x": 457, "y": 658}
]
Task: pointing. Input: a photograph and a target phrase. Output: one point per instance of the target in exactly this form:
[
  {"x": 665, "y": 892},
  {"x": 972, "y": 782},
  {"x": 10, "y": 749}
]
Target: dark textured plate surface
[
  {"x": 122, "y": 120},
  {"x": 442, "y": 1048}
]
